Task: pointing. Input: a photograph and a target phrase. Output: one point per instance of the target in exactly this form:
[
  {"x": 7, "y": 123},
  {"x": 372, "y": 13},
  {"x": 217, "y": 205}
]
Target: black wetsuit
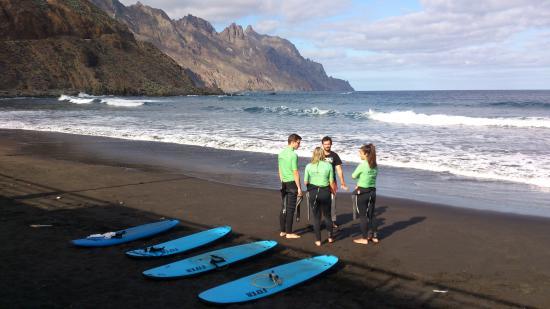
[
  {"x": 366, "y": 201},
  {"x": 289, "y": 194},
  {"x": 334, "y": 159},
  {"x": 319, "y": 201}
]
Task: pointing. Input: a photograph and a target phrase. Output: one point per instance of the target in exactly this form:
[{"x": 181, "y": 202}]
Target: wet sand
[{"x": 481, "y": 259}]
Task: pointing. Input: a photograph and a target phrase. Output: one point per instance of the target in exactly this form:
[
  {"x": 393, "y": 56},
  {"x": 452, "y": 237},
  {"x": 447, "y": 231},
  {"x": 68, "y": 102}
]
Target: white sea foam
[
  {"x": 84, "y": 98},
  {"x": 512, "y": 168},
  {"x": 123, "y": 102},
  {"x": 76, "y": 100},
  {"x": 285, "y": 110},
  {"x": 410, "y": 117},
  {"x": 484, "y": 172}
]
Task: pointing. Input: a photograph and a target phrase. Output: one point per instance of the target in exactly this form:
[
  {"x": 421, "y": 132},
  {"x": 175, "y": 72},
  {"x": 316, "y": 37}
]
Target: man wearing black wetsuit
[{"x": 334, "y": 159}]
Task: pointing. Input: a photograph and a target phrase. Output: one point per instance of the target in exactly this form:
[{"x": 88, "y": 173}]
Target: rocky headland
[
  {"x": 234, "y": 59},
  {"x": 67, "y": 46}
]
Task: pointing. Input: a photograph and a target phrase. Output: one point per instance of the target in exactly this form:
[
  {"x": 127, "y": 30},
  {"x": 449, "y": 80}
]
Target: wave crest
[
  {"x": 84, "y": 98},
  {"x": 524, "y": 104},
  {"x": 410, "y": 117},
  {"x": 285, "y": 110}
]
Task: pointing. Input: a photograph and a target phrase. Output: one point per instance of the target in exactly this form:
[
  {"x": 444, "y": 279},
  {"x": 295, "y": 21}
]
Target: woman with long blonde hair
[
  {"x": 319, "y": 179},
  {"x": 366, "y": 174}
]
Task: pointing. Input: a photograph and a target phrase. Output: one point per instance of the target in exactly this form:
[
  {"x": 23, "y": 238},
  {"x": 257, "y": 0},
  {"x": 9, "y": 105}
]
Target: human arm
[
  {"x": 296, "y": 174},
  {"x": 340, "y": 174},
  {"x": 356, "y": 172},
  {"x": 297, "y": 181}
]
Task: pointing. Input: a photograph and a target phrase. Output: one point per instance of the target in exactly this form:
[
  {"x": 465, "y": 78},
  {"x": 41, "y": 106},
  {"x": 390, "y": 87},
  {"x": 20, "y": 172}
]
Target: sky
[{"x": 400, "y": 45}]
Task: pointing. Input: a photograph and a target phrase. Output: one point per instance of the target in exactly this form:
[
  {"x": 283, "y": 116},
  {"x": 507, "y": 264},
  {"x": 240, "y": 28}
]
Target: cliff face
[
  {"x": 48, "y": 47},
  {"x": 234, "y": 59}
]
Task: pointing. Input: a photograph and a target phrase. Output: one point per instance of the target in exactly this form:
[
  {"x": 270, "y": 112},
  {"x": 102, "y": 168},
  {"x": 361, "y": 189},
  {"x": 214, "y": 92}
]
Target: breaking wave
[
  {"x": 84, "y": 98},
  {"x": 284, "y": 110},
  {"x": 410, "y": 117}
]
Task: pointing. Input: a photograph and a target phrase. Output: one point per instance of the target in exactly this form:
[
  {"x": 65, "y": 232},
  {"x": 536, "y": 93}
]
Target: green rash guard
[
  {"x": 288, "y": 163},
  {"x": 366, "y": 175},
  {"x": 319, "y": 174}
]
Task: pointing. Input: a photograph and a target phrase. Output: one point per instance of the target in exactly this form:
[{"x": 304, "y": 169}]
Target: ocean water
[{"x": 477, "y": 149}]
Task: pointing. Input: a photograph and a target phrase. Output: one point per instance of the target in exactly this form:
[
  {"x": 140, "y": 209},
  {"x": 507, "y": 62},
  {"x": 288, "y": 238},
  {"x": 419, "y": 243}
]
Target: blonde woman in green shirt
[
  {"x": 319, "y": 179},
  {"x": 366, "y": 174}
]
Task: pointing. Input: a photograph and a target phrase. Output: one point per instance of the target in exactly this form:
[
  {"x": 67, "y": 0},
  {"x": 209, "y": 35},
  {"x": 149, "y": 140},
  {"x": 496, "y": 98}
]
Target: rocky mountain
[
  {"x": 233, "y": 60},
  {"x": 48, "y": 47}
]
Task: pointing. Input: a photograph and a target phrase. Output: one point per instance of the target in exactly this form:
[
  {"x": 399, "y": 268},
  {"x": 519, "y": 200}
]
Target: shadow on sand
[{"x": 57, "y": 274}]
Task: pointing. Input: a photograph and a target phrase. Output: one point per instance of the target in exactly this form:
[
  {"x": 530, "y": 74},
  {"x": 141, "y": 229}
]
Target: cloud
[
  {"x": 441, "y": 26},
  {"x": 324, "y": 54},
  {"x": 221, "y": 11},
  {"x": 469, "y": 37},
  {"x": 267, "y": 26}
]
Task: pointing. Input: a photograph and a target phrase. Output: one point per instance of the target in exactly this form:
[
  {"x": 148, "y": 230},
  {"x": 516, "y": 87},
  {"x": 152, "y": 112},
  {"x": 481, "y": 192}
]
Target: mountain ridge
[
  {"x": 67, "y": 46},
  {"x": 234, "y": 59}
]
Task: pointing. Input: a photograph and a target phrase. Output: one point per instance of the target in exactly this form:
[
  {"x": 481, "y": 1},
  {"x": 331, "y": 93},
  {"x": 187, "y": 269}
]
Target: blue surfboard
[
  {"x": 126, "y": 235},
  {"x": 269, "y": 281},
  {"x": 181, "y": 244},
  {"x": 209, "y": 261}
]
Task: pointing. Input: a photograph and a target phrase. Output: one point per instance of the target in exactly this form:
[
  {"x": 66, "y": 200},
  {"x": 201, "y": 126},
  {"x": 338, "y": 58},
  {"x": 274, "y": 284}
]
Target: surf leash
[{"x": 274, "y": 279}]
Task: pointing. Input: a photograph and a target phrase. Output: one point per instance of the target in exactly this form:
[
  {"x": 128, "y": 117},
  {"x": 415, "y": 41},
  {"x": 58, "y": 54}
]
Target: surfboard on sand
[
  {"x": 123, "y": 236},
  {"x": 181, "y": 244},
  {"x": 209, "y": 261},
  {"x": 269, "y": 281}
]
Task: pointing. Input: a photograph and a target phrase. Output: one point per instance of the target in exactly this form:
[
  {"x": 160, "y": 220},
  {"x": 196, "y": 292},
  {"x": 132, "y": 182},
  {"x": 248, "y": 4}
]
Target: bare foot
[
  {"x": 362, "y": 241},
  {"x": 282, "y": 234},
  {"x": 375, "y": 240},
  {"x": 331, "y": 240},
  {"x": 318, "y": 243},
  {"x": 292, "y": 236}
]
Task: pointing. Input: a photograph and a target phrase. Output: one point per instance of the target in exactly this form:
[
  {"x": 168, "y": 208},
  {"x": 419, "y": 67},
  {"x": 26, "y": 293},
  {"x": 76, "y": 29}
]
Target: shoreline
[
  {"x": 257, "y": 170},
  {"x": 481, "y": 258}
]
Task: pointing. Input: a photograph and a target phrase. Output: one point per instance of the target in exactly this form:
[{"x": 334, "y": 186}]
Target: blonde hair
[{"x": 318, "y": 155}]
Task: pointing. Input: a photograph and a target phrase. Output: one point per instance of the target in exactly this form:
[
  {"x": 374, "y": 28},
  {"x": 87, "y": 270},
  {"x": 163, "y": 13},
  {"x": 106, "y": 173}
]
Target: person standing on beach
[
  {"x": 334, "y": 159},
  {"x": 291, "y": 186},
  {"x": 319, "y": 179},
  {"x": 366, "y": 173}
]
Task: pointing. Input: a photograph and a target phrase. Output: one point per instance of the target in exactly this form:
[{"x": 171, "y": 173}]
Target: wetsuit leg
[
  {"x": 372, "y": 226},
  {"x": 291, "y": 197},
  {"x": 325, "y": 205},
  {"x": 316, "y": 210},
  {"x": 333, "y": 207},
  {"x": 282, "y": 214},
  {"x": 362, "y": 201}
]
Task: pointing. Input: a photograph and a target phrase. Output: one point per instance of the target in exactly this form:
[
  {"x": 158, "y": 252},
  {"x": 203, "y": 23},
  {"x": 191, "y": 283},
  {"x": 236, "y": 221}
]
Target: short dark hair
[
  {"x": 326, "y": 138},
  {"x": 294, "y": 138}
]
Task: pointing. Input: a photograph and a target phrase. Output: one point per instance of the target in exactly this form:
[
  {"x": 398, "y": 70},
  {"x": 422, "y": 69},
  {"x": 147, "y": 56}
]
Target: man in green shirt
[{"x": 291, "y": 187}]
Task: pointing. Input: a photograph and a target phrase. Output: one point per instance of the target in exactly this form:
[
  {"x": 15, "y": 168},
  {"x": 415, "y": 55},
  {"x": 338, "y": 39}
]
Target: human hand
[{"x": 344, "y": 187}]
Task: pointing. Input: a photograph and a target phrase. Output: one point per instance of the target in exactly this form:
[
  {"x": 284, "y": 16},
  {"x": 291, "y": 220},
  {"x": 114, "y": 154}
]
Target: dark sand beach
[{"x": 479, "y": 259}]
